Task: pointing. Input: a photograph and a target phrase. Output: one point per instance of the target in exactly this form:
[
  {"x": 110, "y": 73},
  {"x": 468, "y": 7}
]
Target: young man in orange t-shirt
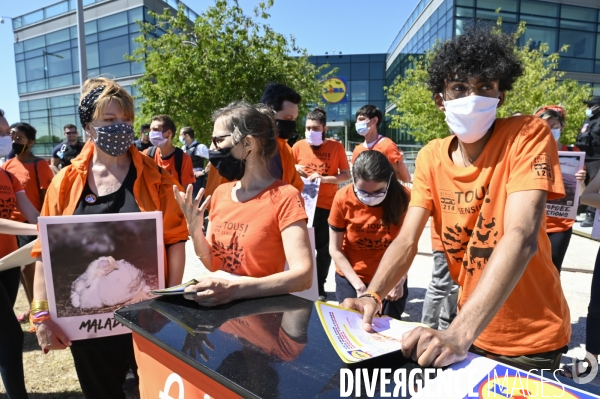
[
  {"x": 368, "y": 118},
  {"x": 166, "y": 155},
  {"x": 486, "y": 187},
  {"x": 319, "y": 158}
]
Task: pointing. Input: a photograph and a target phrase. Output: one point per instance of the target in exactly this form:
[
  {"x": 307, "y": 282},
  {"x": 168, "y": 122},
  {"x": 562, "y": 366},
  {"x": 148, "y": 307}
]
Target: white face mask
[
  {"x": 556, "y": 134},
  {"x": 314, "y": 138},
  {"x": 362, "y": 128},
  {"x": 470, "y": 117},
  {"x": 371, "y": 200},
  {"x": 5, "y": 145},
  {"x": 157, "y": 139}
]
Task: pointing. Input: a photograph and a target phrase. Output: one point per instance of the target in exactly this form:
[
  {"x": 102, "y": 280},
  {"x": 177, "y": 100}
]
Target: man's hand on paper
[
  {"x": 367, "y": 306},
  {"x": 211, "y": 291},
  {"x": 396, "y": 292},
  {"x": 580, "y": 175},
  {"x": 430, "y": 347}
]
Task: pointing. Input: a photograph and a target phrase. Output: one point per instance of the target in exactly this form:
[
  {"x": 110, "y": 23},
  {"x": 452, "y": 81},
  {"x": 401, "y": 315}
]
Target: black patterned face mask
[{"x": 115, "y": 139}]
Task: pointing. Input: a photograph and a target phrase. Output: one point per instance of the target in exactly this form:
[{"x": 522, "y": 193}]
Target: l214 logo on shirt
[{"x": 541, "y": 168}]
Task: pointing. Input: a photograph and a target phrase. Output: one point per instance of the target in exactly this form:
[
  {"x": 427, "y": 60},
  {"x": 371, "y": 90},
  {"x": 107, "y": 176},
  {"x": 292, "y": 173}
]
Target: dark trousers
[
  {"x": 343, "y": 290},
  {"x": 11, "y": 336},
  {"x": 198, "y": 184},
  {"x": 322, "y": 246},
  {"x": 591, "y": 168},
  {"x": 592, "y": 333},
  {"x": 560, "y": 242},
  {"x": 102, "y": 365}
]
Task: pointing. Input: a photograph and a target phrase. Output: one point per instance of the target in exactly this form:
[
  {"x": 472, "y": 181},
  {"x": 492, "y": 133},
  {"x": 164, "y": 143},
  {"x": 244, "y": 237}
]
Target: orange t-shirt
[
  {"x": 246, "y": 236},
  {"x": 264, "y": 331},
  {"x": 26, "y": 175},
  {"x": 384, "y": 145},
  {"x": 168, "y": 163},
  {"x": 327, "y": 160},
  {"x": 9, "y": 186},
  {"x": 365, "y": 237},
  {"x": 468, "y": 206},
  {"x": 556, "y": 224}
]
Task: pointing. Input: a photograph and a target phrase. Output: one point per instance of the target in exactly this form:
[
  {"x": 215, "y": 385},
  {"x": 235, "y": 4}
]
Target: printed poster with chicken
[
  {"x": 95, "y": 264},
  {"x": 566, "y": 207}
]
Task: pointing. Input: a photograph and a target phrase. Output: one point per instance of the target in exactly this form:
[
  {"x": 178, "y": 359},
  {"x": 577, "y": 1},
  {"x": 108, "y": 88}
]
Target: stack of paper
[{"x": 354, "y": 344}]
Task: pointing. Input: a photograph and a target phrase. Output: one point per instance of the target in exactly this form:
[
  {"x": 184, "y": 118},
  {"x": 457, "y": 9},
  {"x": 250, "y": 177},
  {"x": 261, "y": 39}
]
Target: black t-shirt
[
  {"x": 141, "y": 146},
  {"x": 67, "y": 152},
  {"x": 121, "y": 201}
]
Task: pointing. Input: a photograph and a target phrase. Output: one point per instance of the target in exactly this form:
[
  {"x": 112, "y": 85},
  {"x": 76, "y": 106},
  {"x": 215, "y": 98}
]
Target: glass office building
[
  {"x": 364, "y": 79},
  {"x": 556, "y": 22},
  {"x": 47, "y": 62}
]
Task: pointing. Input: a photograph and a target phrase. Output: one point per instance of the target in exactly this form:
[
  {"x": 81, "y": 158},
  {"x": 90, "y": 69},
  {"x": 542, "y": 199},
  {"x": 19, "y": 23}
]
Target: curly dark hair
[{"x": 482, "y": 52}]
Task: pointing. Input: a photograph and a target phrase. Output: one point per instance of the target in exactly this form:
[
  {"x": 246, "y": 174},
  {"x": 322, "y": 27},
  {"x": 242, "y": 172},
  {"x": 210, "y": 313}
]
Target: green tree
[
  {"x": 541, "y": 84},
  {"x": 195, "y": 68}
]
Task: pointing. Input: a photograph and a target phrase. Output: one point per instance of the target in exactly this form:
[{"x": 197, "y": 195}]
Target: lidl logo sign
[{"x": 335, "y": 90}]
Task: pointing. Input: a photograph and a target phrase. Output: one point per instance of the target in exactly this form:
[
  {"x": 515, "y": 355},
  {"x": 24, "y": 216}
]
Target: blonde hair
[{"x": 112, "y": 92}]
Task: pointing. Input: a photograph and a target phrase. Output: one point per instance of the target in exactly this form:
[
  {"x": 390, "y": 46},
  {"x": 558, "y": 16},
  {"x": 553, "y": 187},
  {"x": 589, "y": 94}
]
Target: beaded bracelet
[{"x": 377, "y": 298}]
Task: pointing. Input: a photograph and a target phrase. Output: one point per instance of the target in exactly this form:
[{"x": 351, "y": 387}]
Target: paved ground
[{"x": 576, "y": 280}]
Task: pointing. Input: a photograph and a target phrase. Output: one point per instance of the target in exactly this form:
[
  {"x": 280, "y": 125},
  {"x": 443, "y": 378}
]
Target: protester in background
[
  {"x": 107, "y": 178},
  {"x": 67, "y": 150},
  {"x": 285, "y": 102},
  {"x": 319, "y": 158},
  {"x": 12, "y": 198},
  {"x": 165, "y": 154},
  {"x": 475, "y": 184},
  {"x": 256, "y": 223},
  {"x": 143, "y": 142},
  {"x": 588, "y": 140},
  {"x": 559, "y": 229},
  {"x": 35, "y": 176},
  {"x": 591, "y": 197},
  {"x": 365, "y": 218},
  {"x": 368, "y": 119},
  {"x": 198, "y": 153},
  {"x": 439, "y": 306}
]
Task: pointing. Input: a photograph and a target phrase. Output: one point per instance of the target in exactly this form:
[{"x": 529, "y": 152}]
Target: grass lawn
[{"x": 46, "y": 376}]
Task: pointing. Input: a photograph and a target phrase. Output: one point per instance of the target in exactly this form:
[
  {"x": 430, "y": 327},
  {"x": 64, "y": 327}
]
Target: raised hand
[{"x": 191, "y": 208}]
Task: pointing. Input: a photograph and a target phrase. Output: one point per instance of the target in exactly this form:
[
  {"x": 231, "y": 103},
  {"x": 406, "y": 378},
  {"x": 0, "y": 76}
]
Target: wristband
[
  {"x": 38, "y": 318},
  {"x": 372, "y": 294}
]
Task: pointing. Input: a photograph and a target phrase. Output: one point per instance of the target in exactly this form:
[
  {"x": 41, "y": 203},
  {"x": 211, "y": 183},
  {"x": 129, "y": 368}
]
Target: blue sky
[{"x": 349, "y": 26}]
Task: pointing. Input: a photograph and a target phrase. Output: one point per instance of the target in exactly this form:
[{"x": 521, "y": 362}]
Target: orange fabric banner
[{"x": 164, "y": 376}]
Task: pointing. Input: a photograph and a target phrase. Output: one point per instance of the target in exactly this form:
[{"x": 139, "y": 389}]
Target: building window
[
  {"x": 581, "y": 44},
  {"x": 542, "y": 9}
]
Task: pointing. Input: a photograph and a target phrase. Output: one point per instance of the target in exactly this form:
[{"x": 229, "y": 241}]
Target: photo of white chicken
[{"x": 109, "y": 282}]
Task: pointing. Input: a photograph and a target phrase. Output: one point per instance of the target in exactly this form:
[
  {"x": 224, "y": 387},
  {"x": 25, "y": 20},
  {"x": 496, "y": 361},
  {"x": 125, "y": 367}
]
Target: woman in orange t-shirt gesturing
[
  {"x": 365, "y": 218},
  {"x": 256, "y": 223}
]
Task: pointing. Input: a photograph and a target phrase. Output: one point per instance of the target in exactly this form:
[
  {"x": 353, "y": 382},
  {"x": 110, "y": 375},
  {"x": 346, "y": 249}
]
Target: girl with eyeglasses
[{"x": 365, "y": 218}]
